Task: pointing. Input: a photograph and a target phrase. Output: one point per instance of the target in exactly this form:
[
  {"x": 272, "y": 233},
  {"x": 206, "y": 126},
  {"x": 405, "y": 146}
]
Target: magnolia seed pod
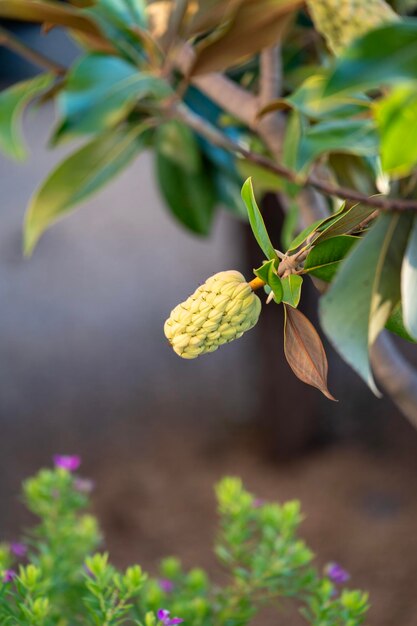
[
  {"x": 220, "y": 310},
  {"x": 342, "y": 21}
]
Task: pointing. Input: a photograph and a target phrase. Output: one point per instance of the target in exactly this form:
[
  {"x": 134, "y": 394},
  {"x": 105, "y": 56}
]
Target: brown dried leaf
[
  {"x": 255, "y": 25},
  {"x": 49, "y": 12},
  {"x": 304, "y": 351}
]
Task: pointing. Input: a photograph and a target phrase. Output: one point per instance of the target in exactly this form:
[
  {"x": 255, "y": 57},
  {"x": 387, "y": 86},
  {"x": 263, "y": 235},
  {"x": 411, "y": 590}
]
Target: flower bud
[
  {"x": 342, "y": 21},
  {"x": 220, "y": 310}
]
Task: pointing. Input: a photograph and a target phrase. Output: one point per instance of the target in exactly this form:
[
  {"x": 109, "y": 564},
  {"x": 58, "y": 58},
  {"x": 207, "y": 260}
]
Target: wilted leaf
[
  {"x": 256, "y": 24},
  {"x": 365, "y": 291},
  {"x": 324, "y": 259},
  {"x": 409, "y": 283},
  {"x": 291, "y": 286},
  {"x": 256, "y": 221},
  {"x": 304, "y": 350},
  {"x": 100, "y": 92},
  {"x": 12, "y": 104},
  {"x": 78, "y": 177},
  {"x": 190, "y": 194},
  {"x": 50, "y": 12}
]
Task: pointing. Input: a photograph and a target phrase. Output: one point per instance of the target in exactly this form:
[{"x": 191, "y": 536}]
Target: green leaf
[
  {"x": 78, "y": 177},
  {"x": 101, "y": 90},
  {"x": 189, "y": 193},
  {"x": 304, "y": 235},
  {"x": 291, "y": 286},
  {"x": 12, "y": 105},
  {"x": 395, "y": 324},
  {"x": 344, "y": 221},
  {"x": 262, "y": 180},
  {"x": 267, "y": 273},
  {"x": 383, "y": 56},
  {"x": 409, "y": 283},
  {"x": 324, "y": 259},
  {"x": 309, "y": 100},
  {"x": 228, "y": 193},
  {"x": 357, "y": 137},
  {"x": 365, "y": 291},
  {"x": 256, "y": 221},
  {"x": 396, "y": 116}
]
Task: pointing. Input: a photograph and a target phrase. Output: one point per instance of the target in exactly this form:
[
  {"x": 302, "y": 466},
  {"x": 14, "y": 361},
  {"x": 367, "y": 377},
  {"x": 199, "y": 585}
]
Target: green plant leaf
[
  {"x": 291, "y": 286},
  {"x": 344, "y": 221},
  {"x": 304, "y": 350},
  {"x": 383, "y": 56},
  {"x": 186, "y": 186},
  {"x": 308, "y": 99},
  {"x": 256, "y": 221},
  {"x": 396, "y": 117},
  {"x": 101, "y": 90},
  {"x": 356, "y": 136},
  {"x": 78, "y": 177},
  {"x": 304, "y": 235},
  {"x": 12, "y": 105},
  {"x": 409, "y": 283},
  {"x": 323, "y": 261},
  {"x": 365, "y": 291},
  {"x": 395, "y": 324},
  {"x": 267, "y": 273}
]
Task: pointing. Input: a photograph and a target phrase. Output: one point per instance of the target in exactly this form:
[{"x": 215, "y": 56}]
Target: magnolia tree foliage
[
  {"x": 54, "y": 575},
  {"x": 315, "y": 101}
]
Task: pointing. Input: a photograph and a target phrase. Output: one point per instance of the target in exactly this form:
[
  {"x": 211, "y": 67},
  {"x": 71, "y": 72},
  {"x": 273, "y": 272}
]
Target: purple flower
[
  {"x": 164, "y": 618},
  {"x": 337, "y": 574},
  {"x": 166, "y": 585},
  {"x": 9, "y": 575},
  {"x": 68, "y": 462},
  {"x": 18, "y": 549},
  {"x": 83, "y": 485},
  {"x": 257, "y": 503}
]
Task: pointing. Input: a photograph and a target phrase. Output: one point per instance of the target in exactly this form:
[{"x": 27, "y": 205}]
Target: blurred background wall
[{"x": 84, "y": 367}]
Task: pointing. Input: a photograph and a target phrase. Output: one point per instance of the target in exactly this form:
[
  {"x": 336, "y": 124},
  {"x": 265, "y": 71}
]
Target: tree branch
[
  {"x": 211, "y": 133},
  {"x": 396, "y": 376},
  {"x": 8, "y": 40},
  {"x": 270, "y": 75}
]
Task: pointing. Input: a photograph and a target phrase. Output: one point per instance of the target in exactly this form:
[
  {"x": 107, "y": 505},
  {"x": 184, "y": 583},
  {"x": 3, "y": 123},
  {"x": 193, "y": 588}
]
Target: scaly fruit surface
[
  {"x": 220, "y": 310},
  {"x": 341, "y": 21}
]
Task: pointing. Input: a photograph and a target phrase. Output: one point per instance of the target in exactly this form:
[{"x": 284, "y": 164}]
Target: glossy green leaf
[
  {"x": 395, "y": 324},
  {"x": 256, "y": 221},
  {"x": 176, "y": 142},
  {"x": 267, "y": 273},
  {"x": 356, "y": 136},
  {"x": 304, "y": 235},
  {"x": 101, "y": 90},
  {"x": 409, "y": 283},
  {"x": 323, "y": 261},
  {"x": 190, "y": 194},
  {"x": 12, "y": 105},
  {"x": 79, "y": 176},
  {"x": 291, "y": 286},
  {"x": 396, "y": 116},
  {"x": 262, "y": 180},
  {"x": 383, "y": 56},
  {"x": 365, "y": 291},
  {"x": 309, "y": 100},
  {"x": 344, "y": 221}
]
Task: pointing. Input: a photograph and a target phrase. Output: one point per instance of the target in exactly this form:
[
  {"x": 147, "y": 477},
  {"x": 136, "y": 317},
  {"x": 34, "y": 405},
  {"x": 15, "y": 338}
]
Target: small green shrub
[{"x": 55, "y": 577}]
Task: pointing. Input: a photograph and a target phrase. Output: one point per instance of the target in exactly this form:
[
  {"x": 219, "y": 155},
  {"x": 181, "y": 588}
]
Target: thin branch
[
  {"x": 210, "y": 132},
  {"x": 270, "y": 75},
  {"x": 8, "y": 40},
  {"x": 396, "y": 376}
]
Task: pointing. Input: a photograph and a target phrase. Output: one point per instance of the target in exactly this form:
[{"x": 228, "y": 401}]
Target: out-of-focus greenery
[{"x": 59, "y": 578}]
